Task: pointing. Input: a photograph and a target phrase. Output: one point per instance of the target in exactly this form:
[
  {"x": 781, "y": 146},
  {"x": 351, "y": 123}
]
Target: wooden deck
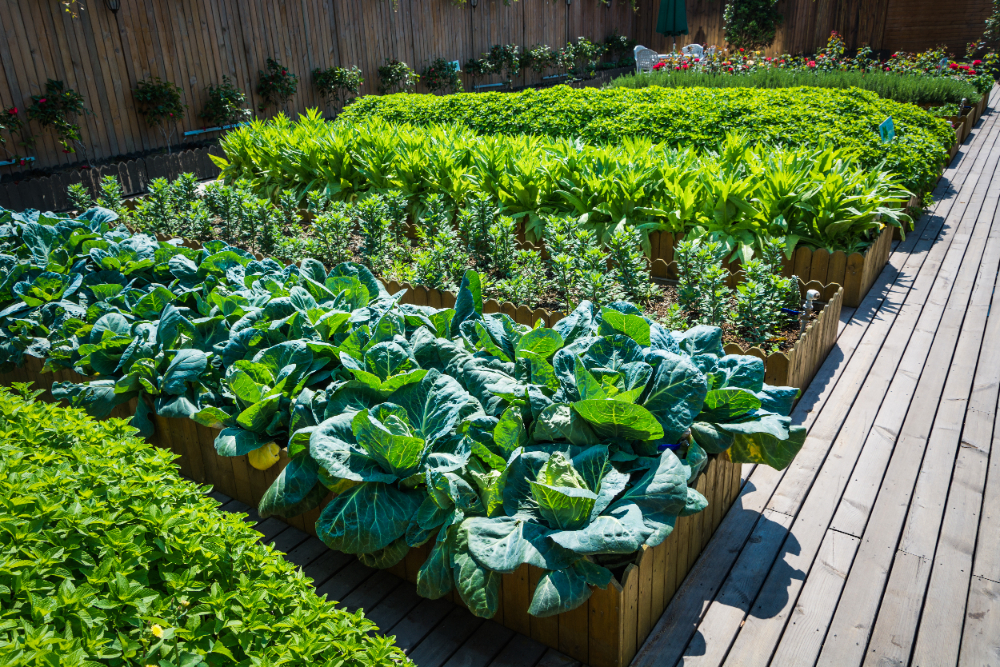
[{"x": 879, "y": 545}]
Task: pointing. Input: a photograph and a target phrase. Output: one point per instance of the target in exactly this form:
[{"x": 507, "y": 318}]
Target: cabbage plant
[{"x": 494, "y": 444}]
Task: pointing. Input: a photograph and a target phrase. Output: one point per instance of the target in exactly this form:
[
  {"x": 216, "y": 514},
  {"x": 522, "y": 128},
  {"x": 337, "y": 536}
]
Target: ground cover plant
[
  {"x": 568, "y": 448},
  {"x": 112, "y": 559},
  {"x": 696, "y": 118},
  {"x": 744, "y": 192}
]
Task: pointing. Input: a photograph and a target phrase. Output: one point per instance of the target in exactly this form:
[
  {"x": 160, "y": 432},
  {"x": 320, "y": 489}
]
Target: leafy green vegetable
[{"x": 496, "y": 444}]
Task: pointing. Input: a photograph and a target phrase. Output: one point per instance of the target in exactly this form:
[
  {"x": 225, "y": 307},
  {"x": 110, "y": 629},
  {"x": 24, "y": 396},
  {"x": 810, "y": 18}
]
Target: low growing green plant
[
  {"x": 694, "y": 118},
  {"x": 130, "y": 564}
]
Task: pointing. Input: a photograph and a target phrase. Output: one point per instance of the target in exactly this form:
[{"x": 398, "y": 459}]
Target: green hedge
[
  {"x": 896, "y": 87},
  {"x": 697, "y": 117},
  {"x": 109, "y": 558}
]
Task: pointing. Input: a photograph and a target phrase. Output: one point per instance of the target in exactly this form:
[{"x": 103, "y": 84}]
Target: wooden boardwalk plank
[
  {"x": 981, "y": 636},
  {"x": 803, "y": 637}
]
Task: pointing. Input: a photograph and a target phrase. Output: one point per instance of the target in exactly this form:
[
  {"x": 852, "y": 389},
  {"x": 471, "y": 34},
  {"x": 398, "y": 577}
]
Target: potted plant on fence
[
  {"x": 54, "y": 108},
  {"x": 160, "y": 103}
]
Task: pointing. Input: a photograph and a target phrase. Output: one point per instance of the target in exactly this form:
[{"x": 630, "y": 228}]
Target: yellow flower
[{"x": 157, "y": 631}]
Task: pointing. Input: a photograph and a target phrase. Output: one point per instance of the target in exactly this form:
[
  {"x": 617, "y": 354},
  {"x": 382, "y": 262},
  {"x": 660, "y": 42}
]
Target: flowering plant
[
  {"x": 11, "y": 122},
  {"x": 337, "y": 81},
  {"x": 395, "y": 76},
  {"x": 441, "y": 75},
  {"x": 276, "y": 86},
  {"x": 54, "y": 108},
  {"x": 226, "y": 105}
]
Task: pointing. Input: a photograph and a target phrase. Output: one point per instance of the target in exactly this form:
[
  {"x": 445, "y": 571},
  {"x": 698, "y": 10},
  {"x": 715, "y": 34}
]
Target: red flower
[{"x": 977, "y": 63}]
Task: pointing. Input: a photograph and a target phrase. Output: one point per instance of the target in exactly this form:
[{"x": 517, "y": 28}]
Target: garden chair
[
  {"x": 645, "y": 59},
  {"x": 693, "y": 51}
]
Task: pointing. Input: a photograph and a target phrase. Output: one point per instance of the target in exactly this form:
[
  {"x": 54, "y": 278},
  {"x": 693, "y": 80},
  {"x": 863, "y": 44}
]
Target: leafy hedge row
[
  {"x": 695, "y": 117},
  {"x": 568, "y": 448},
  {"x": 109, "y": 558}
]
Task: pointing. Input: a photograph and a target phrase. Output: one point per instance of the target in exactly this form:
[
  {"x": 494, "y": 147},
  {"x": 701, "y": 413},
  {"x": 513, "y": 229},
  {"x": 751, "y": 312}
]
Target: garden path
[{"x": 879, "y": 545}]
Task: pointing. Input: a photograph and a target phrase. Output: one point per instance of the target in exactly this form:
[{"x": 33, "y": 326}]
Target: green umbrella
[{"x": 672, "y": 20}]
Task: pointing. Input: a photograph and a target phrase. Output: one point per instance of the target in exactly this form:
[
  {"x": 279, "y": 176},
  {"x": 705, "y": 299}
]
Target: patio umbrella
[{"x": 672, "y": 20}]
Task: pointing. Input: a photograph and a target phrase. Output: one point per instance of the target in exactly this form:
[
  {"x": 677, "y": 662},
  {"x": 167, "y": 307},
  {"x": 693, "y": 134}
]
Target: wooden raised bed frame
[
  {"x": 855, "y": 272},
  {"x": 604, "y": 632}
]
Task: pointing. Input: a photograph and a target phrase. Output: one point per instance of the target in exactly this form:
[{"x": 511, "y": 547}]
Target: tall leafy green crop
[{"x": 747, "y": 192}]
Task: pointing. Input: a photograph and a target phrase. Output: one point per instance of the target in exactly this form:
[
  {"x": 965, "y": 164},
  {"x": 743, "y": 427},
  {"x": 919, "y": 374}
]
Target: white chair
[
  {"x": 693, "y": 51},
  {"x": 645, "y": 59}
]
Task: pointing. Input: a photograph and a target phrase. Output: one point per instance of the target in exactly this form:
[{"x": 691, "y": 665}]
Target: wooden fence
[{"x": 193, "y": 43}]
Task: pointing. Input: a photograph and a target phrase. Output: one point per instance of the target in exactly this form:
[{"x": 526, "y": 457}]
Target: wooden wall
[
  {"x": 195, "y": 42},
  {"x": 887, "y": 25}
]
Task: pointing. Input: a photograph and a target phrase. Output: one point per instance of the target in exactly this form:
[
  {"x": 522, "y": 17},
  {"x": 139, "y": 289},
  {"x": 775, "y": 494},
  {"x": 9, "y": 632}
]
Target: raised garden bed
[
  {"x": 794, "y": 368},
  {"x": 604, "y": 632},
  {"x": 856, "y": 272}
]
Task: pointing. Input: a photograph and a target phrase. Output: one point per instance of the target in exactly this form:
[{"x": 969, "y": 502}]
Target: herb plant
[{"x": 144, "y": 558}]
